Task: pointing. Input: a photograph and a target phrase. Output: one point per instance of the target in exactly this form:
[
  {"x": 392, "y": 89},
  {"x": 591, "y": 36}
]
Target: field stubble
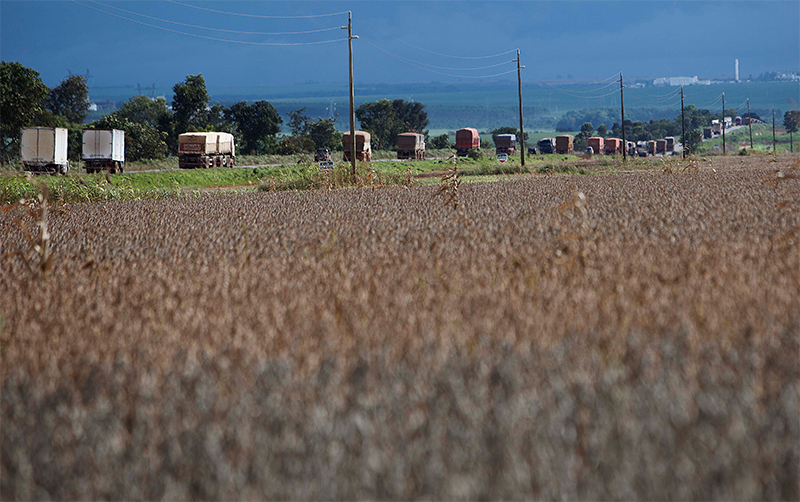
[{"x": 621, "y": 336}]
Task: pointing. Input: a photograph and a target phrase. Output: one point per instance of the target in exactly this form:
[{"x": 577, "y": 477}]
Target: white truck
[
  {"x": 103, "y": 150},
  {"x": 44, "y": 150},
  {"x": 206, "y": 149}
]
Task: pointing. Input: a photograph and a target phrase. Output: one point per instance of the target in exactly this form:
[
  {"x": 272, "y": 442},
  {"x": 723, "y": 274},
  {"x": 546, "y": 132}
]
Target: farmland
[{"x": 619, "y": 336}]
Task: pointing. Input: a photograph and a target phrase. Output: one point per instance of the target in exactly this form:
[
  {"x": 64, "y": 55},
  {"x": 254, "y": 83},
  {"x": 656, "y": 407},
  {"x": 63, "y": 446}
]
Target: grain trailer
[
  {"x": 506, "y": 143},
  {"x": 564, "y": 143},
  {"x": 411, "y": 145},
  {"x": 596, "y": 144},
  {"x": 613, "y": 146},
  {"x": 467, "y": 139},
  {"x": 363, "y": 146},
  {"x": 206, "y": 149}
]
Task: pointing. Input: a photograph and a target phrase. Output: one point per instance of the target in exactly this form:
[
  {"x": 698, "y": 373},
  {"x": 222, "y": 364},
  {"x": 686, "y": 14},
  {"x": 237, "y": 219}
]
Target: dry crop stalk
[
  {"x": 40, "y": 243},
  {"x": 450, "y": 186}
]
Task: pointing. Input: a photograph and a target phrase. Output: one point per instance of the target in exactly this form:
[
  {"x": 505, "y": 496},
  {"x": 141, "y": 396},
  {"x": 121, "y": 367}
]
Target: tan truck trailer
[
  {"x": 411, "y": 145},
  {"x": 206, "y": 149},
  {"x": 363, "y": 146}
]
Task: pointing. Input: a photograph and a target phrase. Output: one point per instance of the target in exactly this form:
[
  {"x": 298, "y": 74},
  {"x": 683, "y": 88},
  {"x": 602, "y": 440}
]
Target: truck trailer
[
  {"x": 103, "y": 150},
  {"x": 612, "y": 146},
  {"x": 670, "y": 143},
  {"x": 206, "y": 149},
  {"x": 564, "y": 144},
  {"x": 411, "y": 145},
  {"x": 596, "y": 143},
  {"x": 467, "y": 139},
  {"x": 363, "y": 146},
  {"x": 506, "y": 143},
  {"x": 44, "y": 150},
  {"x": 547, "y": 145}
]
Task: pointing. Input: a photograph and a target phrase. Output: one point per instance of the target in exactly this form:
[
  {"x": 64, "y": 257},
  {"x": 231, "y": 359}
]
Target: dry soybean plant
[{"x": 38, "y": 257}]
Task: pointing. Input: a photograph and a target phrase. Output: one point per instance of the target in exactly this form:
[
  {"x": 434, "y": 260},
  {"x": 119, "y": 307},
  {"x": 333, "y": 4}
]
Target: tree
[
  {"x": 582, "y": 138},
  {"x": 323, "y": 134},
  {"x": 256, "y": 124},
  {"x": 145, "y": 111},
  {"x": 693, "y": 139},
  {"x": 22, "y": 102},
  {"x": 189, "y": 104},
  {"x": 298, "y": 122},
  {"x": 791, "y": 120},
  {"x": 441, "y": 142},
  {"x": 602, "y": 130},
  {"x": 386, "y": 119},
  {"x": 70, "y": 99}
]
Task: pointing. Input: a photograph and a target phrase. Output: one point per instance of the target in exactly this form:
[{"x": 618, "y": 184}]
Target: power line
[
  {"x": 418, "y": 65},
  {"x": 256, "y": 15},
  {"x": 214, "y": 29},
  {"x": 207, "y": 37},
  {"x": 436, "y": 53},
  {"x": 412, "y": 61},
  {"x": 578, "y": 95}
]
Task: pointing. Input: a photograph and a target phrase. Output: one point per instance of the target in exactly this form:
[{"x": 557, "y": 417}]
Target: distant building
[{"x": 677, "y": 81}]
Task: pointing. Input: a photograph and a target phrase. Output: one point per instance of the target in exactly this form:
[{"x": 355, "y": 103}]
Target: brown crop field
[{"x": 615, "y": 336}]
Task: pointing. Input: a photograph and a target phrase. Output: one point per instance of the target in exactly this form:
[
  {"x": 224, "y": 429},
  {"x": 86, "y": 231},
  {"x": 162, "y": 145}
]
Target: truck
[
  {"x": 547, "y": 145},
  {"x": 467, "y": 139},
  {"x": 716, "y": 127},
  {"x": 103, "y": 150},
  {"x": 363, "y": 146},
  {"x": 206, "y": 149},
  {"x": 613, "y": 146},
  {"x": 564, "y": 144},
  {"x": 411, "y": 145},
  {"x": 661, "y": 146},
  {"x": 44, "y": 149},
  {"x": 505, "y": 143},
  {"x": 596, "y": 144},
  {"x": 651, "y": 147},
  {"x": 670, "y": 143},
  {"x": 707, "y": 133}
]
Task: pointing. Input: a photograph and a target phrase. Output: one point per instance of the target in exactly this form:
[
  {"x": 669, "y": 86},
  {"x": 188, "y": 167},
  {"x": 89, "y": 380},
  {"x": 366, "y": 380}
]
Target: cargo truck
[
  {"x": 651, "y": 147},
  {"x": 206, "y": 149},
  {"x": 596, "y": 144},
  {"x": 411, "y": 145},
  {"x": 467, "y": 139},
  {"x": 44, "y": 149},
  {"x": 363, "y": 146},
  {"x": 547, "y": 145},
  {"x": 670, "y": 143},
  {"x": 103, "y": 150},
  {"x": 506, "y": 143},
  {"x": 612, "y": 146},
  {"x": 661, "y": 146},
  {"x": 564, "y": 144},
  {"x": 707, "y": 133}
]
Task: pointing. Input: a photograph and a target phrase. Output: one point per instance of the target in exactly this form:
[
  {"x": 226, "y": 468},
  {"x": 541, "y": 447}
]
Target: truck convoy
[
  {"x": 467, "y": 139},
  {"x": 411, "y": 145},
  {"x": 505, "y": 143},
  {"x": 44, "y": 150},
  {"x": 363, "y": 146},
  {"x": 564, "y": 144},
  {"x": 547, "y": 145},
  {"x": 206, "y": 149},
  {"x": 103, "y": 150}
]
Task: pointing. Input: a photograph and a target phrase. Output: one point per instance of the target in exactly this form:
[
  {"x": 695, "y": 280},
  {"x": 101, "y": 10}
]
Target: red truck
[{"x": 467, "y": 139}]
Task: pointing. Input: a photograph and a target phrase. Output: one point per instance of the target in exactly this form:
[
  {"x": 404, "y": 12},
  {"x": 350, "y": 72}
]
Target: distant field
[{"x": 544, "y": 102}]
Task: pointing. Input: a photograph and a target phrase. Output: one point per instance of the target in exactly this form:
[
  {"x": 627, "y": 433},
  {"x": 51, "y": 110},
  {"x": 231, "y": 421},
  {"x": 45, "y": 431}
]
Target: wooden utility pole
[
  {"x": 683, "y": 126},
  {"x": 521, "y": 130},
  {"x": 350, "y": 38},
  {"x": 723, "y": 123},
  {"x": 750, "y": 123},
  {"x": 774, "y": 145},
  {"x": 622, "y": 112}
]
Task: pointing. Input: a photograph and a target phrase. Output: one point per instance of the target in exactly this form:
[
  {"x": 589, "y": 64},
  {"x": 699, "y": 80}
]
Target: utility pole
[
  {"x": 683, "y": 126},
  {"x": 350, "y": 38},
  {"x": 723, "y": 123},
  {"x": 773, "y": 132},
  {"x": 521, "y": 130},
  {"x": 622, "y": 111},
  {"x": 750, "y": 123}
]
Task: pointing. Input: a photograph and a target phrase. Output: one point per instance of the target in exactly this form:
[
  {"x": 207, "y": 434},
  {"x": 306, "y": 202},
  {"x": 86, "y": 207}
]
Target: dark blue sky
[{"x": 584, "y": 39}]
